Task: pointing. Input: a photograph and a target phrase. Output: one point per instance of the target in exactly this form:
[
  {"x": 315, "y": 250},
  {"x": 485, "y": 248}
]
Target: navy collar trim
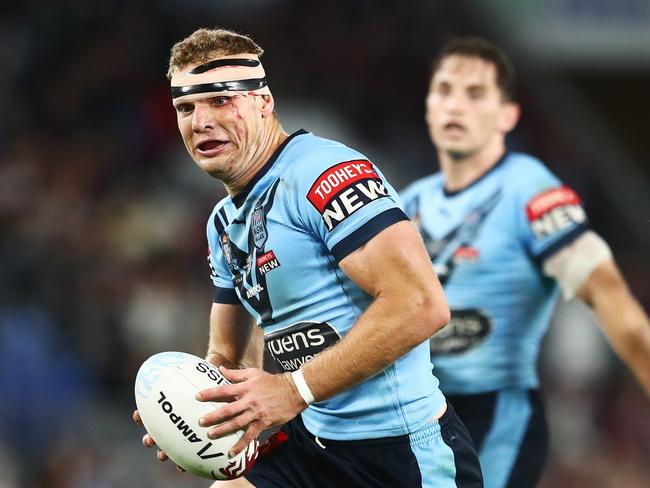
[
  {"x": 448, "y": 193},
  {"x": 240, "y": 198}
]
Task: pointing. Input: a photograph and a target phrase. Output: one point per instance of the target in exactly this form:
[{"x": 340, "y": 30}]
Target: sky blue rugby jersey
[
  {"x": 275, "y": 247},
  {"x": 487, "y": 243}
]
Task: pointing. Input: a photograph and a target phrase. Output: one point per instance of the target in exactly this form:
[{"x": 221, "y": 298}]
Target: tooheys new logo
[
  {"x": 555, "y": 210},
  {"x": 295, "y": 345},
  {"x": 345, "y": 188}
]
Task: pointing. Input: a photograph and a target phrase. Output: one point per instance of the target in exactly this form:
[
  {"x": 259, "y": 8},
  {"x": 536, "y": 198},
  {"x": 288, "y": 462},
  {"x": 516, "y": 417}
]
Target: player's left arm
[
  {"x": 622, "y": 318},
  {"x": 585, "y": 268}
]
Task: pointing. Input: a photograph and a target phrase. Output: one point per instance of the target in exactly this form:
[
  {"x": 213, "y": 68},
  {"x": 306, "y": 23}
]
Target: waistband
[{"x": 428, "y": 431}]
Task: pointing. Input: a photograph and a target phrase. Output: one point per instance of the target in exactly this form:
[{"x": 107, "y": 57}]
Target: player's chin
[{"x": 214, "y": 166}]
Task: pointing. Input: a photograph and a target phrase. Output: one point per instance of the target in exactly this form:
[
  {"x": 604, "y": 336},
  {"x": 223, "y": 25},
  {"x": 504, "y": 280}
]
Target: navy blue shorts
[
  {"x": 440, "y": 454},
  {"x": 510, "y": 432}
]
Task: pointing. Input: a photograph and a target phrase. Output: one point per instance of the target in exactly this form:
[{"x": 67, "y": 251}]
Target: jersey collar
[
  {"x": 448, "y": 193},
  {"x": 240, "y": 198}
]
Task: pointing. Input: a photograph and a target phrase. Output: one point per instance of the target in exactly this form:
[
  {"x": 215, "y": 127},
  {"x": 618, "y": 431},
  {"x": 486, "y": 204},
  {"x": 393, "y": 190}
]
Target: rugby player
[
  {"x": 311, "y": 246},
  {"x": 506, "y": 238}
]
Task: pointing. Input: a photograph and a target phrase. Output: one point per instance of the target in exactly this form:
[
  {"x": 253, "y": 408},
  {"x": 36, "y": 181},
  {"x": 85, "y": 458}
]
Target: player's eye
[
  {"x": 444, "y": 89},
  {"x": 220, "y": 101},
  {"x": 184, "y": 108},
  {"x": 476, "y": 92}
]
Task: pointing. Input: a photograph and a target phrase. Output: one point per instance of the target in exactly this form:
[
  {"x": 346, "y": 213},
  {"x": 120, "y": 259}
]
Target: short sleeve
[
  {"x": 346, "y": 201},
  {"x": 550, "y": 213}
]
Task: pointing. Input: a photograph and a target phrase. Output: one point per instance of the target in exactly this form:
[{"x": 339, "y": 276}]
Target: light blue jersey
[
  {"x": 487, "y": 243},
  {"x": 275, "y": 248}
]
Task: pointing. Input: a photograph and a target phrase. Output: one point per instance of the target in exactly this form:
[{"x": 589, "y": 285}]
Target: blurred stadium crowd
[{"x": 102, "y": 218}]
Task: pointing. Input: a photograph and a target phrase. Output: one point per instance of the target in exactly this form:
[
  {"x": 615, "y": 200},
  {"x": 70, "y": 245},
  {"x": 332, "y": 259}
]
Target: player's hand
[
  {"x": 256, "y": 401},
  {"x": 147, "y": 440}
]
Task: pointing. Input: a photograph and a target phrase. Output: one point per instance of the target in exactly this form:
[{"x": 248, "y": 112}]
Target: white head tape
[{"x": 237, "y": 74}]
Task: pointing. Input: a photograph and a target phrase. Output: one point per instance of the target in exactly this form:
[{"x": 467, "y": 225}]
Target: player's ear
[
  {"x": 510, "y": 112},
  {"x": 268, "y": 104}
]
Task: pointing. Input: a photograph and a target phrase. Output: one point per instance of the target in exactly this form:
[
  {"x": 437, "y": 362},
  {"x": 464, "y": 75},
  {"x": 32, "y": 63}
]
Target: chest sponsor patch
[
  {"x": 554, "y": 210},
  {"x": 267, "y": 262},
  {"x": 345, "y": 188},
  {"x": 293, "y": 346},
  {"x": 466, "y": 330},
  {"x": 466, "y": 254}
]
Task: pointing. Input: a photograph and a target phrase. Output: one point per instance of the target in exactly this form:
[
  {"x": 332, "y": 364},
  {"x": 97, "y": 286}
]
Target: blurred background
[{"x": 102, "y": 213}]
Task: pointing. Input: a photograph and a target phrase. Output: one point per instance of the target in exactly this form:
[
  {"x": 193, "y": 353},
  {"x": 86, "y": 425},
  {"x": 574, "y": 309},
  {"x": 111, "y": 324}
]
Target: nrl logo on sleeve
[
  {"x": 345, "y": 188},
  {"x": 555, "y": 210}
]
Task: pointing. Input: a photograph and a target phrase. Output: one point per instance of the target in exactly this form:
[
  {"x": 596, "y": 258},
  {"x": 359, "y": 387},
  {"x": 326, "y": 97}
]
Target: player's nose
[
  {"x": 202, "y": 118},
  {"x": 454, "y": 102}
]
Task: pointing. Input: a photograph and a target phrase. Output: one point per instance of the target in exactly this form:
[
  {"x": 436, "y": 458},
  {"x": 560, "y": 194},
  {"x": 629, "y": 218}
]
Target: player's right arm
[{"x": 235, "y": 340}]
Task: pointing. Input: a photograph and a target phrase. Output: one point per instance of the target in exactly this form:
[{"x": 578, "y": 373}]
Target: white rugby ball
[{"x": 165, "y": 389}]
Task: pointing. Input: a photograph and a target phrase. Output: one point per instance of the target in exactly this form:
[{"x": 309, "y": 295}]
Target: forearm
[
  {"x": 628, "y": 329},
  {"x": 235, "y": 341},
  {"x": 388, "y": 329},
  {"x": 251, "y": 357}
]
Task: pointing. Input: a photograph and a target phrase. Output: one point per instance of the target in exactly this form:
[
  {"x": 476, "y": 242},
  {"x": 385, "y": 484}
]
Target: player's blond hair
[{"x": 204, "y": 44}]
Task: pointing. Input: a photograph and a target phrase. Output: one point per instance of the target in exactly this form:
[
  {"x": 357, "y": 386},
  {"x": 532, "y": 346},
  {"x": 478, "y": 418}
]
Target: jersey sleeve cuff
[
  {"x": 561, "y": 243},
  {"x": 225, "y": 295},
  {"x": 367, "y": 231}
]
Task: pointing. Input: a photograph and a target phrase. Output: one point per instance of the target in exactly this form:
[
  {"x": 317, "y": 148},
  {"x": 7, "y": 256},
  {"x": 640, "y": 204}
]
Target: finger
[
  {"x": 136, "y": 417},
  {"x": 179, "y": 469},
  {"x": 237, "y": 375},
  {"x": 222, "y": 414},
  {"x": 235, "y": 424},
  {"x": 252, "y": 432},
  {"x": 162, "y": 456},
  {"x": 223, "y": 393},
  {"x": 147, "y": 441}
]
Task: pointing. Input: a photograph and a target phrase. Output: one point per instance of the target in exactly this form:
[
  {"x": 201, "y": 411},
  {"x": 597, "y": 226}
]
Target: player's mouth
[
  {"x": 454, "y": 128},
  {"x": 211, "y": 147}
]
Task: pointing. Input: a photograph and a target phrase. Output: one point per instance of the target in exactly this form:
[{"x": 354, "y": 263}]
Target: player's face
[
  {"x": 223, "y": 134},
  {"x": 465, "y": 111}
]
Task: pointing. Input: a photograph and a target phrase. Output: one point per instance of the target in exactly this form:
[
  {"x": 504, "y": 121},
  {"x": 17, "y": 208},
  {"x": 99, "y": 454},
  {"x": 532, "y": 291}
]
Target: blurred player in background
[
  {"x": 312, "y": 246},
  {"x": 506, "y": 237}
]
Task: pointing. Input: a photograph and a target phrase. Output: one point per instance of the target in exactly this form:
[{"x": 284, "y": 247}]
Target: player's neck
[
  {"x": 461, "y": 171},
  {"x": 271, "y": 139}
]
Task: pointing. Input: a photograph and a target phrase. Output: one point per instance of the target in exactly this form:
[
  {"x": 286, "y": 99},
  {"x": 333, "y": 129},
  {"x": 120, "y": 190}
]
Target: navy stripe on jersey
[
  {"x": 240, "y": 198},
  {"x": 453, "y": 193},
  {"x": 225, "y": 295},
  {"x": 564, "y": 241},
  {"x": 367, "y": 231},
  {"x": 220, "y": 221}
]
